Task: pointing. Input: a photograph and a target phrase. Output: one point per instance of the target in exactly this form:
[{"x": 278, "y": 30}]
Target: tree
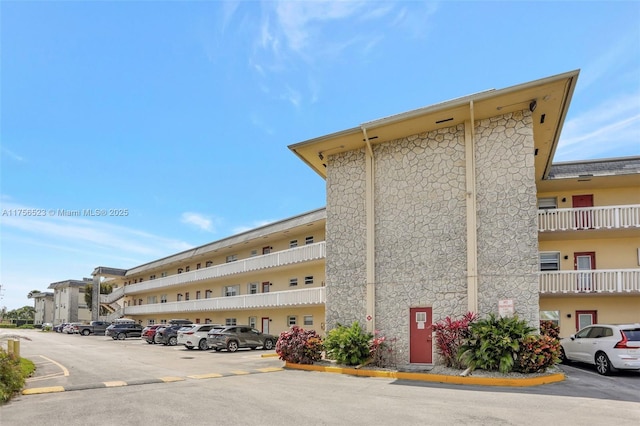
[
  {"x": 24, "y": 313},
  {"x": 88, "y": 295}
]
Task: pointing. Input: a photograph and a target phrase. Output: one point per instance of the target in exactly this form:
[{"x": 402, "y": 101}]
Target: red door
[
  {"x": 420, "y": 336},
  {"x": 584, "y": 219},
  {"x": 266, "y": 286},
  {"x": 585, "y": 318}
]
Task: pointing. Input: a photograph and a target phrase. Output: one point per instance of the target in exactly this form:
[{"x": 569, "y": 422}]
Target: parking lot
[{"x": 119, "y": 382}]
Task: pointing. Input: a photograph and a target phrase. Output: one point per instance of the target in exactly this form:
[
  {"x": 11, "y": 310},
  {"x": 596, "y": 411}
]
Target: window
[
  {"x": 135, "y": 281},
  {"x": 550, "y": 261},
  {"x": 179, "y": 297},
  {"x": 252, "y": 288},
  {"x": 207, "y": 320},
  {"x": 547, "y": 203},
  {"x": 180, "y": 270},
  {"x": 308, "y": 320},
  {"x": 293, "y": 243},
  {"x": 141, "y": 279},
  {"x": 231, "y": 290},
  {"x": 187, "y": 269},
  {"x": 152, "y": 322},
  {"x": 267, "y": 250},
  {"x": 553, "y": 316},
  {"x": 198, "y": 265},
  {"x": 232, "y": 258},
  {"x": 186, "y": 296},
  {"x": 163, "y": 274},
  {"x": 230, "y": 321},
  {"x": 198, "y": 295},
  {"x": 198, "y": 322},
  {"x": 207, "y": 294},
  {"x": 252, "y": 322},
  {"x": 163, "y": 298},
  {"x": 152, "y": 277},
  {"x": 292, "y": 320},
  {"x": 152, "y": 299},
  {"x": 308, "y": 240},
  {"x": 139, "y": 301},
  {"x": 293, "y": 282},
  {"x": 254, "y": 253},
  {"x": 308, "y": 279},
  {"x": 209, "y": 263}
]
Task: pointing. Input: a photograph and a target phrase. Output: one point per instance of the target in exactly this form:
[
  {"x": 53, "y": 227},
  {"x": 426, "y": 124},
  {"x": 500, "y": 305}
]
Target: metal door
[
  {"x": 584, "y": 261},
  {"x": 265, "y": 325},
  {"x": 420, "y": 336}
]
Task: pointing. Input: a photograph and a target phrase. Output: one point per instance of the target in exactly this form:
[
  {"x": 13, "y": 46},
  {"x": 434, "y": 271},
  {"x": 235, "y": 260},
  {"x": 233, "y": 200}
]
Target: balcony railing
[
  {"x": 602, "y": 281},
  {"x": 305, "y": 253},
  {"x": 609, "y": 217},
  {"x": 116, "y": 294},
  {"x": 305, "y": 297}
]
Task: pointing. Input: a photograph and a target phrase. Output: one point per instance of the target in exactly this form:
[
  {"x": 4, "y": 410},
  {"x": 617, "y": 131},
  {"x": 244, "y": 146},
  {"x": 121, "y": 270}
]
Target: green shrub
[
  {"x": 7, "y": 325},
  {"x": 493, "y": 343},
  {"x": 11, "y": 375},
  {"x": 299, "y": 346},
  {"x": 348, "y": 345},
  {"x": 537, "y": 353},
  {"x": 27, "y": 326}
]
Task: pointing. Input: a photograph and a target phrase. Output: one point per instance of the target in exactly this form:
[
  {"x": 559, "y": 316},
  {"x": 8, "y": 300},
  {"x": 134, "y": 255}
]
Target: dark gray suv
[{"x": 234, "y": 337}]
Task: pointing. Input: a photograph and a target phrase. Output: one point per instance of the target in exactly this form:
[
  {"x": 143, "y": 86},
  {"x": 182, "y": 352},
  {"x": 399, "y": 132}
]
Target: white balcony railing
[
  {"x": 609, "y": 217},
  {"x": 305, "y": 253},
  {"x": 618, "y": 281},
  {"x": 304, "y": 297}
]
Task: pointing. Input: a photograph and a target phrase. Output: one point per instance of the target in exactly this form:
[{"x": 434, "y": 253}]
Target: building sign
[{"x": 505, "y": 308}]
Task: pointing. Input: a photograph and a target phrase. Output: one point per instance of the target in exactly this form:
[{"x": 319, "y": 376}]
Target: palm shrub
[
  {"x": 299, "y": 346},
  {"x": 348, "y": 345},
  {"x": 450, "y": 334},
  {"x": 493, "y": 343}
]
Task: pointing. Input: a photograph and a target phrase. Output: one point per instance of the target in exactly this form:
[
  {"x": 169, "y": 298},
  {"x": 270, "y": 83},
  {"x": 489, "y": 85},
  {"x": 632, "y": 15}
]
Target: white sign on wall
[{"x": 505, "y": 308}]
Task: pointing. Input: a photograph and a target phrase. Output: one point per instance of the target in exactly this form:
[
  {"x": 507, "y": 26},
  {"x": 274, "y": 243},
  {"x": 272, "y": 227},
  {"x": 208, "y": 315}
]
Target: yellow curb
[
  {"x": 206, "y": 376},
  {"x": 239, "y": 372},
  {"x": 171, "y": 379},
  {"x": 270, "y": 369},
  {"x": 269, "y": 356},
  {"x": 427, "y": 377},
  {"x": 115, "y": 384},
  {"x": 36, "y": 391}
]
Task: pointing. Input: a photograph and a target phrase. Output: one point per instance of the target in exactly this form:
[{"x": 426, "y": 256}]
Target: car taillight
[
  {"x": 622, "y": 344},
  {"x": 188, "y": 332}
]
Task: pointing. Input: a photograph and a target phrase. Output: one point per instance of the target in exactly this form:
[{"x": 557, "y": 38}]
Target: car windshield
[{"x": 187, "y": 328}]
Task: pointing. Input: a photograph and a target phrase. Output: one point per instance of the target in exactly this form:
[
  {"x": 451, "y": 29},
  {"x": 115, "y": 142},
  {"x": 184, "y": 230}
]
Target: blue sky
[{"x": 181, "y": 112}]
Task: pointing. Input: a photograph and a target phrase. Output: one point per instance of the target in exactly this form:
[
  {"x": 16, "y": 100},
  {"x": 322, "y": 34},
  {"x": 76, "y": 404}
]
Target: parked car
[
  {"x": 234, "y": 337},
  {"x": 168, "y": 335},
  {"x": 124, "y": 330},
  {"x": 608, "y": 347},
  {"x": 195, "y": 335},
  {"x": 149, "y": 332},
  {"x": 58, "y": 328},
  {"x": 95, "y": 327},
  {"x": 70, "y": 328}
]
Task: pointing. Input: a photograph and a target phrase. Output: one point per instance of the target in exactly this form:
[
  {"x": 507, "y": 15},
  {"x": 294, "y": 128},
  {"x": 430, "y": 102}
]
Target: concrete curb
[{"x": 437, "y": 378}]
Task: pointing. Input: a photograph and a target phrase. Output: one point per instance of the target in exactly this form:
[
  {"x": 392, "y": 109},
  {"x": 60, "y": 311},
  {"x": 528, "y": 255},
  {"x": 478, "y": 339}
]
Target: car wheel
[
  {"x": 203, "y": 345},
  {"x": 85, "y": 332},
  {"x": 156, "y": 340},
  {"x": 232, "y": 346},
  {"x": 268, "y": 345},
  {"x": 603, "y": 365},
  {"x": 122, "y": 336},
  {"x": 563, "y": 356},
  {"x": 173, "y": 341}
]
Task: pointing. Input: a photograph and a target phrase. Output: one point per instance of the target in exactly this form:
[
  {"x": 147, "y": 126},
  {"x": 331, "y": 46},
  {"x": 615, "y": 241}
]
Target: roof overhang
[{"x": 551, "y": 95}]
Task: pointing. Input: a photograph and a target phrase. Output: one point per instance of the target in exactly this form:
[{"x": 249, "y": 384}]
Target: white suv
[
  {"x": 195, "y": 335},
  {"x": 608, "y": 347}
]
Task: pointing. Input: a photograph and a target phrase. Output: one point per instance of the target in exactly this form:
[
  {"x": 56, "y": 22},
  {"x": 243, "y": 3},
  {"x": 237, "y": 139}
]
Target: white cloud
[
  {"x": 254, "y": 225},
  {"x": 611, "y": 129},
  {"x": 10, "y": 154},
  {"x": 198, "y": 220}
]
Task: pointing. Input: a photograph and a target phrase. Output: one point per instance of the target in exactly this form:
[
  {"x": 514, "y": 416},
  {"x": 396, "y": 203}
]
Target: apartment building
[
  {"x": 44, "y": 307},
  {"x": 69, "y": 303},
  {"x": 270, "y": 278},
  {"x": 589, "y": 242}
]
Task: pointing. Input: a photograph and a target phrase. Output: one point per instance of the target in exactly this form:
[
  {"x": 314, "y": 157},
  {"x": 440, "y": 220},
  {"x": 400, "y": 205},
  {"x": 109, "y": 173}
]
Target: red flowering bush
[
  {"x": 549, "y": 328},
  {"x": 381, "y": 351},
  {"x": 299, "y": 346},
  {"x": 537, "y": 353},
  {"x": 450, "y": 335}
]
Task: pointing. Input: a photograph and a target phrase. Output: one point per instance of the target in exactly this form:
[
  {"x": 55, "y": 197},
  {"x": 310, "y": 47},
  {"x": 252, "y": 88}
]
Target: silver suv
[
  {"x": 195, "y": 335},
  {"x": 234, "y": 337}
]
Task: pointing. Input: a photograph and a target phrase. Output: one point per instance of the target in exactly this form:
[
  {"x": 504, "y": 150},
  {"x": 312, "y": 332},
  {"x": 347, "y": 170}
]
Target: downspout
[
  {"x": 370, "y": 235},
  {"x": 472, "y": 212}
]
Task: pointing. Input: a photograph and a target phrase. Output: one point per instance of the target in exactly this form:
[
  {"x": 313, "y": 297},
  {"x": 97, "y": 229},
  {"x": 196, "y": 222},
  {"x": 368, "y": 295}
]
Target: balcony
[
  {"x": 609, "y": 217},
  {"x": 292, "y": 256},
  {"x": 600, "y": 281},
  {"x": 307, "y": 297}
]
